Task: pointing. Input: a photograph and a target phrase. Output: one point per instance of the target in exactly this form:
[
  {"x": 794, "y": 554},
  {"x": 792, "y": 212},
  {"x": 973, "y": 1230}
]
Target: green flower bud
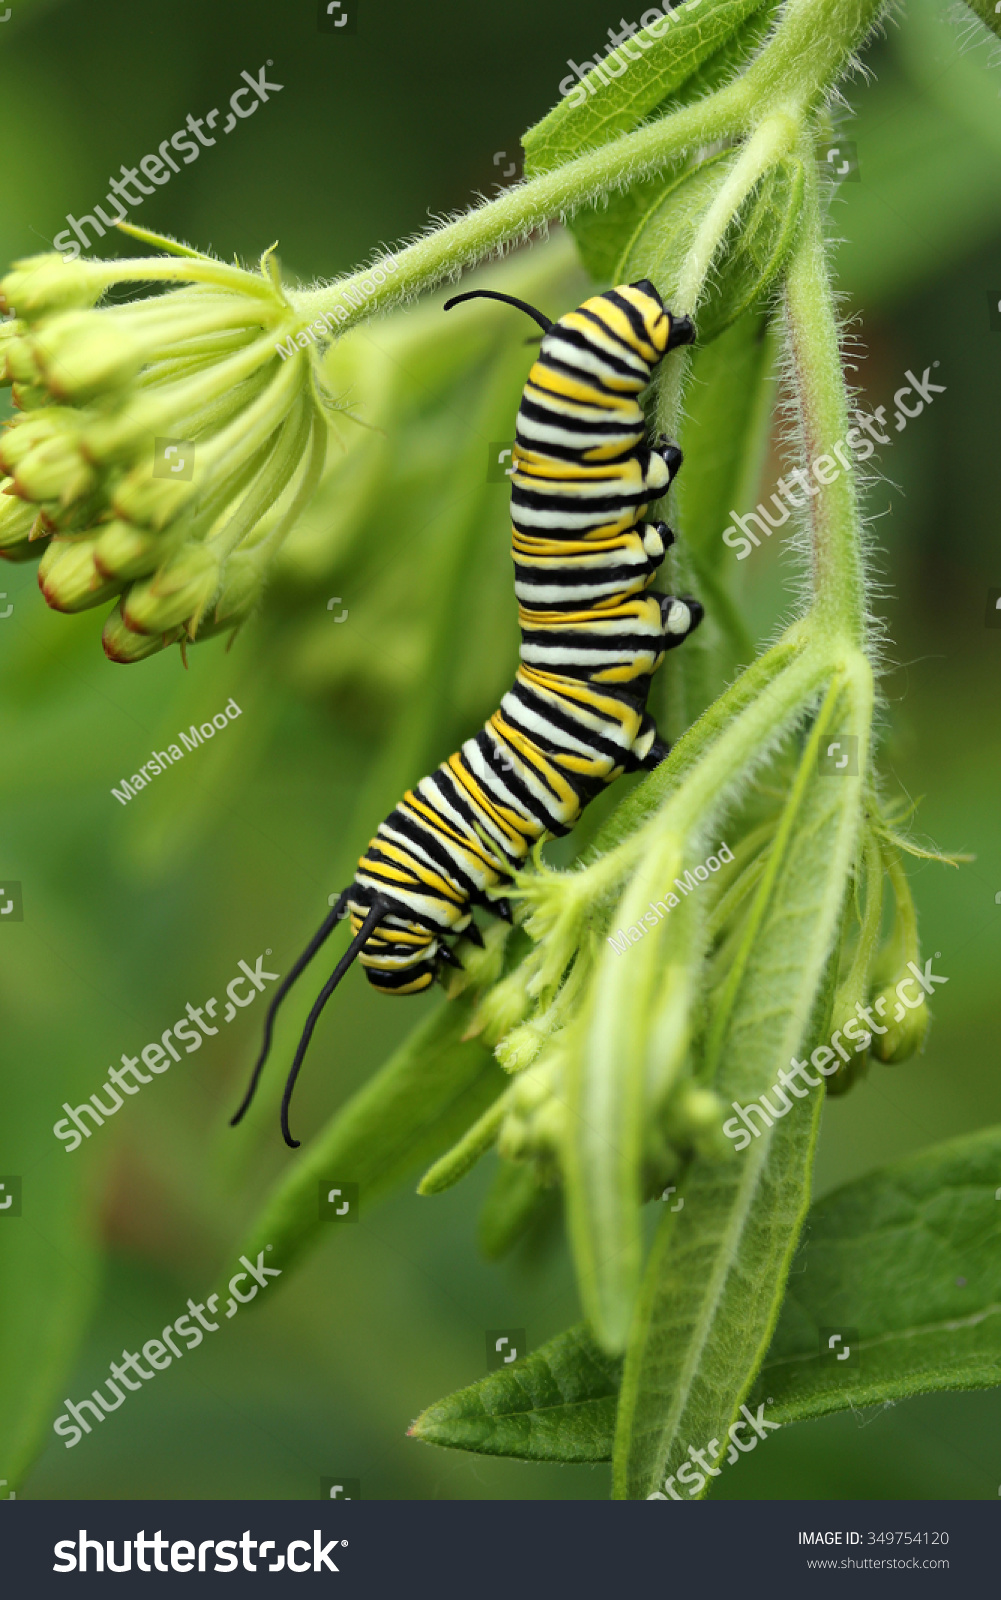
[
  {"x": 84, "y": 354},
  {"x": 151, "y": 502},
  {"x": 518, "y": 1049},
  {"x": 16, "y": 520},
  {"x": 122, "y": 645},
  {"x": 906, "y": 1026},
  {"x": 26, "y": 434},
  {"x": 179, "y": 591},
  {"x": 37, "y": 285},
  {"x": 696, "y": 1118},
  {"x": 69, "y": 579},
  {"x": 29, "y": 396},
  {"x": 20, "y": 364},
  {"x": 501, "y": 1009},
  {"x": 54, "y": 470},
  {"x": 124, "y": 551}
]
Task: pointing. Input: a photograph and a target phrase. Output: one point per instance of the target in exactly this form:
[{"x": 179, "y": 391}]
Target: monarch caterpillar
[{"x": 592, "y": 635}]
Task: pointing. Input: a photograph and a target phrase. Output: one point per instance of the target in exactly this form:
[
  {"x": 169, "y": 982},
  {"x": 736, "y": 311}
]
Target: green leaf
[
  {"x": 514, "y": 1201},
  {"x": 724, "y": 435},
  {"x": 759, "y": 240},
  {"x": 611, "y": 1091},
  {"x": 48, "y": 1267},
  {"x": 429, "y": 1090},
  {"x": 715, "y": 1279},
  {"x": 711, "y": 1297},
  {"x": 910, "y": 1257},
  {"x": 557, "y": 1404},
  {"x": 695, "y": 32},
  {"x": 603, "y": 230}
]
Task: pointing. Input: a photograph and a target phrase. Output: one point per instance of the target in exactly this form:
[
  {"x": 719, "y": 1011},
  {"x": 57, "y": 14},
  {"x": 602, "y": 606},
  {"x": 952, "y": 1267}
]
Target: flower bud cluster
[{"x": 162, "y": 448}]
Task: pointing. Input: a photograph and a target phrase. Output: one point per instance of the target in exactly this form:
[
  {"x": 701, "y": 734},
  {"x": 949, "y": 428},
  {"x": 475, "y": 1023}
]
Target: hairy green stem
[{"x": 839, "y": 602}]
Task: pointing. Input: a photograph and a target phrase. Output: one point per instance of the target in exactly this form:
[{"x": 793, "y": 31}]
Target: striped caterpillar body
[{"x": 592, "y": 635}]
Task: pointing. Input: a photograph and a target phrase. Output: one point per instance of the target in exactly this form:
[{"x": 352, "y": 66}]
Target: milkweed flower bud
[
  {"x": 16, "y": 523},
  {"x": 179, "y": 590},
  {"x": 122, "y": 645},
  {"x": 168, "y": 442},
  {"x": 68, "y": 577},
  {"x": 906, "y": 1022},
  {"x": 41, "y": 284}
]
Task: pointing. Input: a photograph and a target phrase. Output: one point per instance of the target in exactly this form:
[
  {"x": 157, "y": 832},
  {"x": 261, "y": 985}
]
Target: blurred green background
[{"x": 131, "y": 912}]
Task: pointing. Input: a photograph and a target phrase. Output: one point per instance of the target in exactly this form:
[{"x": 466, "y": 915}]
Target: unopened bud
[
  {"x": 69, "y": 579},
  {"x": 40, "y": 284},
  {"x": 16, "y": 520},
  {"x": 906, "y": 1026},
  {"x": 83, "y": 355},
  {"x": 126, "y": 552},
  {"x": 501, "y": 1009},
  {"x": 519, "y": 1048},
  {"x": 122, "y": 645},
  {"x": 151, "y": 502},
  {"x": 56, "y": 471},
  {"x": 19, "y": 363},
  {"x": 179, "y": 591}
]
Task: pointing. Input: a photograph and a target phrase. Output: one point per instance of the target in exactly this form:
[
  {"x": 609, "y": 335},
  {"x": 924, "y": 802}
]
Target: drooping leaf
[
  {"x": 712, "y": 1294},
  {"x": 908, "y": 1257},
  {"x": 694, "y": 32},
  {"x": 724, "y": 435},
  {"x": 715, "y": 1279},
  {"x": 427, "y": 1093},
  {"x": 603, "y": 230},
  {"x": 514, "y": 1201},
  {"x": 758, "y": 242},
  {"x": 556, "y": 1404}
]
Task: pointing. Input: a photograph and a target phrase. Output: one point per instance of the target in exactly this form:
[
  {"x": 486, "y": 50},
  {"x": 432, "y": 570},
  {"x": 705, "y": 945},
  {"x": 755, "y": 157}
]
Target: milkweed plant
[{"x": 605, "y": 1042}]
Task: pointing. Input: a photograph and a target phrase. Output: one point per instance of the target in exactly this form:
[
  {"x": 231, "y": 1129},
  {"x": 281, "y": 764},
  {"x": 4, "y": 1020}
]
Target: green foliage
[
  {"x": 879, "y": 1255},
  {"x": 697, "y": 32},
  {"x": 556, "y": 1404},
  {"x": 619, "y": 1066}
]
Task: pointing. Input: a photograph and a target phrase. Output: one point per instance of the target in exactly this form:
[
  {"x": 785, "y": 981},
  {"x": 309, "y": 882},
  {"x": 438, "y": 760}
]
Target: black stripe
[
  {"x": 578, "y": 340},
  {"x": 552, "y": 363},
  {"x": 456, "y": 797},
  {"x": 531, "y": 806},
  {"x": 632, "y": 317},
  {"x": 564, "y": 722},
  {"x": 538, "y": 411},
  {"x": 419, "y": 832},
  {"x": 532, "y": 500}
]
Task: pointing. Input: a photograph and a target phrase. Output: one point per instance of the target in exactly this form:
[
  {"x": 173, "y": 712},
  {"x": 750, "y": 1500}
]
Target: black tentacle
[
  {"x": 368, "y": 927},
  {"x": 319, "y": 938},
  {"x": 509, "y": 299}
]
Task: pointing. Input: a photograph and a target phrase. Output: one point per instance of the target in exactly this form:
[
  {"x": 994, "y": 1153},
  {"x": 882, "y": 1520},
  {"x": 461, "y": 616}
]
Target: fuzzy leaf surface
[
  {"x": 556, "y": 1404},
  {"x": 887, "y": 1255},
  {"x": 695, "y": 32}
]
